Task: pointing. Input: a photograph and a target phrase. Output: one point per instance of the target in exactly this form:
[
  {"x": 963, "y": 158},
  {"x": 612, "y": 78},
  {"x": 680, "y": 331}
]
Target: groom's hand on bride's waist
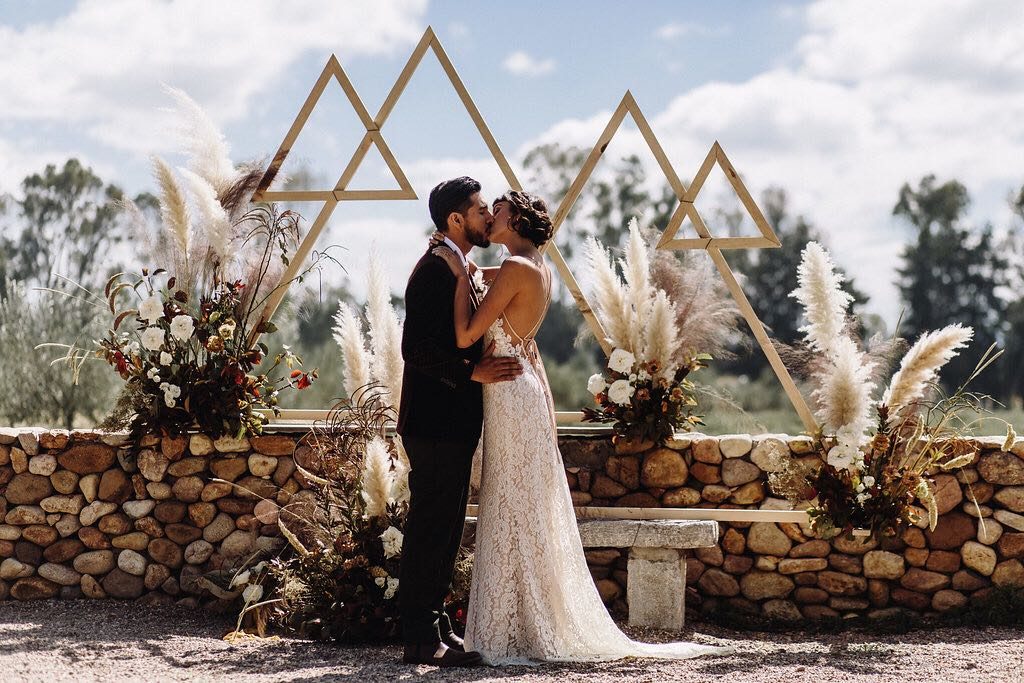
[{"x": 491, "y": 368}]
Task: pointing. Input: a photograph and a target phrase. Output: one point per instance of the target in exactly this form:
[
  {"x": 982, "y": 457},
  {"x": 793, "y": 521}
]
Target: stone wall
[
  {"x": 79, "y": 518},
  {"x": 778, "y": 570}
]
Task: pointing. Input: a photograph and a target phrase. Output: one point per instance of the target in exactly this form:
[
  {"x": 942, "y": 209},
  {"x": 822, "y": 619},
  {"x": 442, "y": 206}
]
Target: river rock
[
  {"x": 120, "y": 584},
  {"x": 758, "y": 585},
  {"x": 923, "y": 581},
  {"x": 28, "y": 489},
  {"x": 44, "y": 464},
  {"x": 132, "y": 562},
  {"x": 838, "y": 583},
  {"x": 152, "y": 464},
  {"x": 663, "y": 468},
  {"x": 978, "y": 557},
  {"x": 198, "y": 552},
  {"x": 34, "y": 588},
  {"x": 766, "y": 538},
  {"x": 60, "y": 574},
  {"x": 1009, "y": 573},
  {"x": 24, "y": 515},
  {"x": 275, "y": 445},
  {"x": 947, "y": 493},
  {"x": 881, "y": 564},
  {"x": 87, "y": 458},
  {"x": 94, "y": 562},
  {"x": 1000, "y": 467},
  {"x": 137, "y": 509}
]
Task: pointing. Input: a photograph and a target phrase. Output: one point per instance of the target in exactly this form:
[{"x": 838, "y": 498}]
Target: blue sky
[{"x": 837, "y": 102}]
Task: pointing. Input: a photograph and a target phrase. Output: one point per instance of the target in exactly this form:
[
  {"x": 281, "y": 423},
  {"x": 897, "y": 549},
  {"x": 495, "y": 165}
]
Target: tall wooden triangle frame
[{"x": 686, "y": 196}]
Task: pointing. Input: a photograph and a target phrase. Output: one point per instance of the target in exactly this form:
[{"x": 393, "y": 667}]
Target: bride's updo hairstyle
[{"x": 529, "y": 216}]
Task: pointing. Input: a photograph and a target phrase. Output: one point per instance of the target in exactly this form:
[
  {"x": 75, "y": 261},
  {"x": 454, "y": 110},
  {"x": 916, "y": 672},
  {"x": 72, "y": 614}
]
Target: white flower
[
  {"x": 392, "y": 539},
  {"x": 171, "y": 392},
  {"x": 151, "y": 310},
  {"x": 842, "y": 457},
  {"x": 132, "y": 348},
  {"x": 642, "y": 375},
  {"x": 869, "y": 481},
  {"x": 153, "y": 338},
  {"x": 227, "y": 330},
  {"x": 861, "y": 497},
  {"x": 596, "y": 384},
  {"x": 153, "y": 374},
  {"x": 621, "y": 391},
  {"x": 392, "y": 587},
  {"x": 252, "y": 593},
  {"x": 621, "y": 360},
  {"x": 182, "y": 327},
  {"x": 240, "y": 579},
  {"x": 380, "y": 581},
  {"x": 632, "y": 378},
  {"x": 165, "y": 358}
]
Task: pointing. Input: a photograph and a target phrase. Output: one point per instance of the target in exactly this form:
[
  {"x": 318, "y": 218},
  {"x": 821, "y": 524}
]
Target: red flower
[
  {"x": 304, "y": 382},
  {"x": 295, "y": 373}
]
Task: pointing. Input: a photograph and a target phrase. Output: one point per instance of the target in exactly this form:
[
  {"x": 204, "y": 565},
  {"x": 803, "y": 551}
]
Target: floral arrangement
[
  {"x": 342, "y": 582},
  {"x": 878, "y": 456},
  {"x": 184, "y": 340},
  {"x": 644, "y": 391}
]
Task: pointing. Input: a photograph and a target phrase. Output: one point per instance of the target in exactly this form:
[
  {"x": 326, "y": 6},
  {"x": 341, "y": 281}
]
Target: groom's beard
[{"x": 478, "y": 239}]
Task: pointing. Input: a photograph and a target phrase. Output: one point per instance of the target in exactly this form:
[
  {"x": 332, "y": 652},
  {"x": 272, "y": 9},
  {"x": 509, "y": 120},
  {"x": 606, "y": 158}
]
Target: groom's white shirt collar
[{"x": 462, "y": 257}]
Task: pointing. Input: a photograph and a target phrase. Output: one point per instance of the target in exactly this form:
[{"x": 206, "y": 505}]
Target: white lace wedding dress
[{"x": 532, "y": 597}]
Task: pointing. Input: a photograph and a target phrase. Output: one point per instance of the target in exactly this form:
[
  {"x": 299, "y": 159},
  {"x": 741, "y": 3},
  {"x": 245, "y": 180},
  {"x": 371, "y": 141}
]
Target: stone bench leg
[{"x": 656, "y": 588}]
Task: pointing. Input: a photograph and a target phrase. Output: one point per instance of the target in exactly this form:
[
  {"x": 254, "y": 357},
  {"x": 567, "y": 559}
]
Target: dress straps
[{"x": 547, "y": 304}]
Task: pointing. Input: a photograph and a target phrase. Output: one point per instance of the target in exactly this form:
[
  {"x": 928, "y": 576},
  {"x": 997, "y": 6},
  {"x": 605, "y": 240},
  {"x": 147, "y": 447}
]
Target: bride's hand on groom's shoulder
[{"x": 451, "y": 258}]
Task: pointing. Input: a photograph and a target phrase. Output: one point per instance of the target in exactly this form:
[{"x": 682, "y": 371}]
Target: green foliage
[
  {"x": 66, "y": 224},
  {"x": 951, "y": 273}
]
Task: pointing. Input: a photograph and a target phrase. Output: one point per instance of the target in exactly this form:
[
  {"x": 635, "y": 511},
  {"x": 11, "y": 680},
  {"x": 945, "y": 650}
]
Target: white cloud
[
  {"x": 877, "y": 94},
  {"x": 523, "y": 64},
  {"x": 676, "y": 29},
  {"x": 99, "y": 67}
]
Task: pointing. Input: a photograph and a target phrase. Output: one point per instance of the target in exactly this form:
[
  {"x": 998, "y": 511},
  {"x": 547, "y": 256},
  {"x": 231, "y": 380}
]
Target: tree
[
  {"x": 951, "y": 274},
  {"x": 68, "y": 225}
]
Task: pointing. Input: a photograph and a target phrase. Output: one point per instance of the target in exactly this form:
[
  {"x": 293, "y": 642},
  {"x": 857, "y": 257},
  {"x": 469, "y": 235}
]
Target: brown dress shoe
[{"x": 426, "y": 654}]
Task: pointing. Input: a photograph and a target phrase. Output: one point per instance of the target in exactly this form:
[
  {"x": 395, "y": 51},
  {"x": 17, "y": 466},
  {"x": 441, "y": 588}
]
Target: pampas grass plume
[
  {"x": 921, "y": 366},
  {"x": 216, "y": 227},
  {"x": 376, "y": 477},
  {"x": 173, "y": 206},
  {"x": 386, "y": 362},
  {"x": 348, "y": 332},
  {"x": 824, "y": 301},
  {"x": 611, "y": 301},
  {"x": 204, "y": 143}
]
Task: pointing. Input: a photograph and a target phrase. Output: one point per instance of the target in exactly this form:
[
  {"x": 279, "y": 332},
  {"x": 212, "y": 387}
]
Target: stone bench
[{"x": 656, "y": 583}]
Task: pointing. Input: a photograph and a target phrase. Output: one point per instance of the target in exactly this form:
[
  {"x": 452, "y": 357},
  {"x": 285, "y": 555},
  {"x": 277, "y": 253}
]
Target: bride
[{"x": 532, "y": 596}]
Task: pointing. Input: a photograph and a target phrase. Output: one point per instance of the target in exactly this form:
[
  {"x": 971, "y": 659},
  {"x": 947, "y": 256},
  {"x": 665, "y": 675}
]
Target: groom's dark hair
[{"x": 451, "y": 196}]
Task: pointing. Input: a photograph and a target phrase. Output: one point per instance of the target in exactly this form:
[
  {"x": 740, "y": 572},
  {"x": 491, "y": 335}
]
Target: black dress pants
[{"x": 439, "y": 489}]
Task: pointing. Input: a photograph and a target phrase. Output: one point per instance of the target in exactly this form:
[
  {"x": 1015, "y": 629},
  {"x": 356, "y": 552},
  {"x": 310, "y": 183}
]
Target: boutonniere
[{"x": 479, "y": 286}]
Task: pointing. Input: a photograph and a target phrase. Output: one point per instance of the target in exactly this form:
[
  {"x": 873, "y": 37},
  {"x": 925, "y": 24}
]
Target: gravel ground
[{"x": 112, "y": 641}]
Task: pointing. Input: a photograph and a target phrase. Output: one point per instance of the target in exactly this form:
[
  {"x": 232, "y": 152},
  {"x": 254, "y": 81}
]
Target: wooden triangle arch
[{"x": 372, "y": 136}]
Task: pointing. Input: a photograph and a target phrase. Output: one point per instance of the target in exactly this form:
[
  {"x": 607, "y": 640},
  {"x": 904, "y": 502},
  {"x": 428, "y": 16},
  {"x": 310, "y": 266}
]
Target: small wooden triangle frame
[{"x": 716, "y": 155}]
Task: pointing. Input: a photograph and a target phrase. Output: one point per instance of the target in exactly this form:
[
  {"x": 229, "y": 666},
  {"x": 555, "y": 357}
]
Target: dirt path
[{"x": 110, "y": 641}]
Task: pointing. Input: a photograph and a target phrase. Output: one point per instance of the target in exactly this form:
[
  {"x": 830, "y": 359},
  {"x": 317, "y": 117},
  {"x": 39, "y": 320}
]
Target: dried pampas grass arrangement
[{"x": 376, "y": 357}]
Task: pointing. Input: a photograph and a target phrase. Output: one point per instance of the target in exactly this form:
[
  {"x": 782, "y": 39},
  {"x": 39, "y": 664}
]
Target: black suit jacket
[{"x": 439, "y": 399}]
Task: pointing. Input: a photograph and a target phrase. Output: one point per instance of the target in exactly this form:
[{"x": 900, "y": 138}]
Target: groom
[{"x": 440, "y": 421}]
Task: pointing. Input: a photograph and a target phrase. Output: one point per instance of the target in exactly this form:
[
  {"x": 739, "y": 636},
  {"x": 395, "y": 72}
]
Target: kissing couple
[{"x": 472, "y": 366}]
